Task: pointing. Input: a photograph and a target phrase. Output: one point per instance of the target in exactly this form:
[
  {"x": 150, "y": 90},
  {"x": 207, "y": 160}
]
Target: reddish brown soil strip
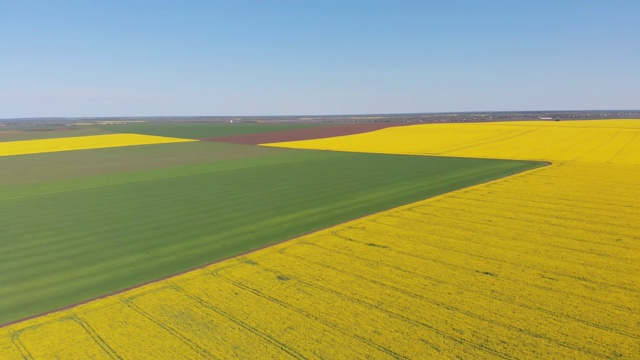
[
  {"x": 303, "y": 134},
  {"x": 9, "y": 132}
]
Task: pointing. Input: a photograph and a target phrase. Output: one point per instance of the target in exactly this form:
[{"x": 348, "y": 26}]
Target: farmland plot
[
  {"x": 601, "y": 141},
  {"x": 462, "y": 274},
  {"x": 80, "y": 224},
  {"x": 543, "y": 264}
]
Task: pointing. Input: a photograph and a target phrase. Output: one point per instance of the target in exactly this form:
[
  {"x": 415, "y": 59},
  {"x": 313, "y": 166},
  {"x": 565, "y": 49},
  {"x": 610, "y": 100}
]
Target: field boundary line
[{"x": 542, "y": 165}]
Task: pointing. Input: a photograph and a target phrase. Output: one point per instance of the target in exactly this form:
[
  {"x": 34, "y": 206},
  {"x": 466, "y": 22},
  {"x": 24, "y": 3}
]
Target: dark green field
[{"x": 80, "y": 224}]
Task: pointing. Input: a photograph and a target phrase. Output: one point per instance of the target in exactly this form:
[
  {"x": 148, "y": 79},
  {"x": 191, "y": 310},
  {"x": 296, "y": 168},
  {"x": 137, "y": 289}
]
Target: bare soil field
[{"x": 303, "y": 134}]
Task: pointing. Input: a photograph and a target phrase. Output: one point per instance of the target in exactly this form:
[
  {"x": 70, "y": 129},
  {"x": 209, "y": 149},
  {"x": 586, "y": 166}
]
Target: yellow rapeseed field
[
  {"x": 81, "y": 143},
  {"x": 543, "y": 264},
  {"x": 602, "y": 141}
]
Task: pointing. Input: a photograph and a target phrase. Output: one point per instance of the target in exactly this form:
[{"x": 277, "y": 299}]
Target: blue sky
[{"x": 240, "y": 57}]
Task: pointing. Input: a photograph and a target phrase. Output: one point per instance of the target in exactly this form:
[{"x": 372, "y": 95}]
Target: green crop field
[{"x": 80, "y": 224}]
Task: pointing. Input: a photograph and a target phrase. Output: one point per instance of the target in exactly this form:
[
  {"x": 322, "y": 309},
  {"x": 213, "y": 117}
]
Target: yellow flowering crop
[
  {"x": 604, "y": 141},
  {"x": 81, "y": 143},
  {"x": 543, "y": 264}
]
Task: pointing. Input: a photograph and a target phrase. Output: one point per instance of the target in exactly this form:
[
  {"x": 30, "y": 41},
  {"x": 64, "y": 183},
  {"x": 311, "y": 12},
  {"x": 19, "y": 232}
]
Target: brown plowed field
[
  {"x": 9, "y": 132},
  {"x": 302, "y": 134}
]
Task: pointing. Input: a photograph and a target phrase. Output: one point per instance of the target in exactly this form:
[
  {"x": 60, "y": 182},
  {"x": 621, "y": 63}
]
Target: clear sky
[{"x": 271, "y": 57}]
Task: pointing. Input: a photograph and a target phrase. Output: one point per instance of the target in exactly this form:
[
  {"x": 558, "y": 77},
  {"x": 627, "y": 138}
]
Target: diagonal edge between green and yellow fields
[
  {"x": 617, "y": 348},
  {"x": 537, "y": 166},
  {"x": 90, "y": 241}
]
